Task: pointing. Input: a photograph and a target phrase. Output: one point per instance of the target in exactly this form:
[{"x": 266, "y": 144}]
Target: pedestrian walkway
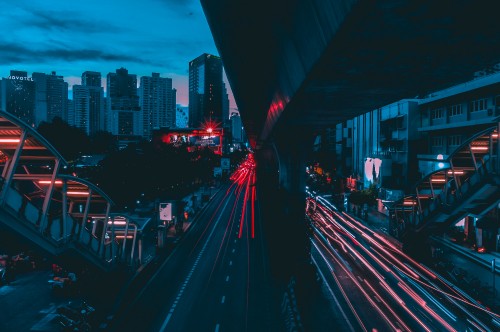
[{"x": 484, "y": 259}]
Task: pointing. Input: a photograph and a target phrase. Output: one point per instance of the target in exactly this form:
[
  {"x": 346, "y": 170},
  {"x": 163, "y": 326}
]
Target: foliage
[
  {"x": 70, "y": 141},
  {"x": 73, "y": 142},
  {"x": 167, "y": 171},
  {"x": 366, "y": 196},
  {"x": 144, "y": 169}
]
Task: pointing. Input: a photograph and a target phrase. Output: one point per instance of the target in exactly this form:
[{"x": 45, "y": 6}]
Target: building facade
[
  {"x": 123, "y": 110},
  {"x": 205, "y": 90},
  {"x": 157, "y": 100},
  {"x": 384, "y": 146},
  {"x": 236, "y": 128},
  {"x": 17, "y": 96},
  {"x": 225, "y": 104},
  {"x": 51, "y": 97},
  {"x": 81, "y": 106},
  {"x": 450, "y": 116}
]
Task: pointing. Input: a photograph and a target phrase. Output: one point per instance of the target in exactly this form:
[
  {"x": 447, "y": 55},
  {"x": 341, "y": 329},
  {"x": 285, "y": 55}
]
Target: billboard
[{"x": 166, "y": 211}]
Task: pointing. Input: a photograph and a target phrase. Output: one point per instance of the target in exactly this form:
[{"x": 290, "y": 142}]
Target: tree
[{"x": 70, "y": 141}]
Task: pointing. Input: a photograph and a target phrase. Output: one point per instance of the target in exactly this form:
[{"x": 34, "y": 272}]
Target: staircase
[{"x": 469, "y": 186}]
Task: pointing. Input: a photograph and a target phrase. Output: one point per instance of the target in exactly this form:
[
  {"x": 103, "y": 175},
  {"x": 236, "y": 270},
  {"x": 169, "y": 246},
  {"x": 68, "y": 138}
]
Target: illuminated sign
[
  {"x": 372, "y": 171},
  {"x": 166, "y": 211},
  {"x": 20, "y": 78}
]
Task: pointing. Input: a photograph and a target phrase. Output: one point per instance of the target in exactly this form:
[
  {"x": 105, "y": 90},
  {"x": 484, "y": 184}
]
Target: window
[
  {"x": 454, "y": 140},
  {"x": 437, "y": 141},
  {"x": 479, "y": 105},
  {"x": 437, "y": 113},
  {"x": 455, "y": 110}
]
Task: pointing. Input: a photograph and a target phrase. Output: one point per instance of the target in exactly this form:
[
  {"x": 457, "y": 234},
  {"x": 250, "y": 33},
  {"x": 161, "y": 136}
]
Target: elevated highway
[{"x": 300, "y": 65}]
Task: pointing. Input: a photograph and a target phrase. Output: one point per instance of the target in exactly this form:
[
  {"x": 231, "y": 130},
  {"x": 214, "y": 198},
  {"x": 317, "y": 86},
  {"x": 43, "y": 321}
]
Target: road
[
  {"x": 216, "y": 278},
  {"x": 384, "y": 288}
]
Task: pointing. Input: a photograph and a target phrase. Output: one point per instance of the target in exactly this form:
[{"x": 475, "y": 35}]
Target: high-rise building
[
  {"x": 51, "y": 97},
  {"x": 157, "y": 100},
  {"x": 81, "y": 101},
  {"x": 88, "y": 103},
  {"x": 236, "y": 128},
  {"x": 225, "y": 104},
  {"x": 205, "y": 90},
  {"x": 181, "y": 118},
  {"x": 17, "y": 96},
  {"x": 123, "y": 110},
  {"x": 71, "y": 112},
  {"x": 91, "y": 78}
]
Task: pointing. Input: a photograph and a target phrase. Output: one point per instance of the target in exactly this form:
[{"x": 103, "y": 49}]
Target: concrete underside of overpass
[
  {"x": 318, "y": 62},
  {"x": 296, "y": 66}
]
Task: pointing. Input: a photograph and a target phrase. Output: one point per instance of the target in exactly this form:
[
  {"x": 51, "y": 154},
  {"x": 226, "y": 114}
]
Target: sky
[{"x": 70, "y": 37}]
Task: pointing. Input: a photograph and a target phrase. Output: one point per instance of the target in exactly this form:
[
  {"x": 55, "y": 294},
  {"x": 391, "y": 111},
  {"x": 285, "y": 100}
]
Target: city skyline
[{"x": 91, "y": 36}]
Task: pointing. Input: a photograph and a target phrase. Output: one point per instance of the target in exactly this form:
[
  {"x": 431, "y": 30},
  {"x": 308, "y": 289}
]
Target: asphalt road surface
[{"x": 216, "y": 278}]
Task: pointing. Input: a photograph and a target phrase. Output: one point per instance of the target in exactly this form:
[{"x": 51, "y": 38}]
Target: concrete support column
[{"x": 281, "y": 188}]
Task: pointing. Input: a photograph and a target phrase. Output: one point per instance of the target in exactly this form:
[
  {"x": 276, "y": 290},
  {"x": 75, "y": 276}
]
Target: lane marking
[
  {"x": 227, "y": 278},
  {"x": 230, "y": 263},
  {"x": 223, "y": 299},
  {"x": 169, "y": 316},
  {"x": 217, "y": 328},
  {"x": 43, "y": 323},
  {"x": 232, "y": 251}
]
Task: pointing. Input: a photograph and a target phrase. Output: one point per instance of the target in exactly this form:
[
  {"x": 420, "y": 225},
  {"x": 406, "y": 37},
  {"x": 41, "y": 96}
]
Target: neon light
[
  {"x": 479, "y": 148},
  {"x": 10, "y": 140},
  {"x": 49, "y": 182},
  {"x": 78, "y": 193},
  {"x": 118, "y": 223}
]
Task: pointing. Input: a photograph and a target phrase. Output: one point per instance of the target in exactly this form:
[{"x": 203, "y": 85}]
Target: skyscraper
[
  {"x": 157, "y": 103},
  {"x": 225, "y": 104},
  {"x": 51, "y": 97},
  {"x": 236, "y": 128},
  {"x": 17, "y": 95},
  {"x": 88, "y": 103},
  {"x": 123, "y": 110},
  {"x": 81, "y": 101},
  {"x": 205, "y": 90},
  {"x": 91, "y": 78}
]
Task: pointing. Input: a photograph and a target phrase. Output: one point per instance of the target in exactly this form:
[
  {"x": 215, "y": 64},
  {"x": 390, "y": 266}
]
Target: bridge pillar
[{"x": 281, "y": 187}]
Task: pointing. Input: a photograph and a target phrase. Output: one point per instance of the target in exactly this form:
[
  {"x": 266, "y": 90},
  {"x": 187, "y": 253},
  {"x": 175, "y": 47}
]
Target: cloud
[
  {"x": 66, "y": 21},
  {"x": 17, "y": 54},
  {"x": 186, "y": 7},
  {"x": 179, "y": 3}
]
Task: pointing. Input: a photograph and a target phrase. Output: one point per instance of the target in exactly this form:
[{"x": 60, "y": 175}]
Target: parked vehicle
[{"x": 75, "y": 316}]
